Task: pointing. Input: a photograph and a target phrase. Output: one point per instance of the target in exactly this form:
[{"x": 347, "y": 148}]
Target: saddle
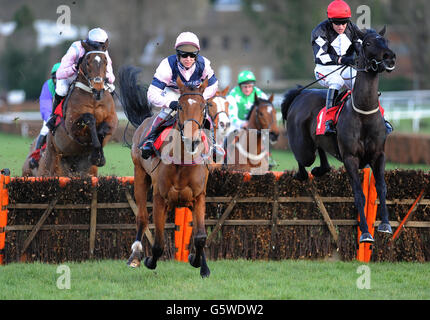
[
  {"x": 60, "y": 110},
  {"x": 164, "y": 135},
  {"x": 332, "y": 113}
]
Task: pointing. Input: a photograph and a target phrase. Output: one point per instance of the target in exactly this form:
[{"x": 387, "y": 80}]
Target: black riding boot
[
  {"x": 53, "y": 117},
  {"x": 39, "y": 144},
  {"x": 331, "y": 96},
  {"x": 147, "y": 147}
]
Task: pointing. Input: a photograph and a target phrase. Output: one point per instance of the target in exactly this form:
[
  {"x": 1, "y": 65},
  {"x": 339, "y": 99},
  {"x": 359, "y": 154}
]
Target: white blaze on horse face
[
  {"x": 98, "y": 60},
  {"x": 223, "y": 119},
  {"x": 269, "y": 109},
  {"x": 191, "y": 101}
]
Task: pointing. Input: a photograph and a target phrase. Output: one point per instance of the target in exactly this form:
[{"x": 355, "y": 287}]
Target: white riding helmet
[
  {"x": 97, "y": 35},
  {"x": 187, "y": 42}
]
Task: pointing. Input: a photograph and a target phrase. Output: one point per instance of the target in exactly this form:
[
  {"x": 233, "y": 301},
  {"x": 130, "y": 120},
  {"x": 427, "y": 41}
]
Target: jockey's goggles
[
  {"x": 339, "y": 21},
  {"x": 184, "y": 54}
]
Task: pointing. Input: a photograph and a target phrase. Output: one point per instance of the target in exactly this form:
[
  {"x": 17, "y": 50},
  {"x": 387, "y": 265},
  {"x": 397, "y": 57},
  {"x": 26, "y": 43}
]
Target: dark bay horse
[
  {"x": 360, "y": 138},
  {"x": 174, "y": 183},
  {"x": 89, "y": 122},
  {"x": 248, "y": 150}
]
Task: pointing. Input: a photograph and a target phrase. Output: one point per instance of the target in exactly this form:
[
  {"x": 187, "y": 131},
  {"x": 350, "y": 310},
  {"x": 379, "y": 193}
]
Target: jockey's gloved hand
[
  {"x": 347, "y": 61},
  {"x": 174, "y": 105}
]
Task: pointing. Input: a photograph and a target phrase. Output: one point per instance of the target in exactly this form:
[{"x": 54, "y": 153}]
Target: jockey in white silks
[
  {"x": 192, "y": 68},
  {"x": 67, "y": 72}
]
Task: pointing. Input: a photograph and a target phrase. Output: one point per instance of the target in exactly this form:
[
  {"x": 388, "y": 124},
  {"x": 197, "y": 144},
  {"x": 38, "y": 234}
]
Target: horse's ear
[
  {"x": 180, "y": 84},
  {"x": 271, "y": 98},
  {"x": 225, "y": 91},
  {"x": 204, "y": 85},
  {"x": 382, "y": 32},
  {"x": 255, "y": 97},
  {"x": 86, "y": 46}
]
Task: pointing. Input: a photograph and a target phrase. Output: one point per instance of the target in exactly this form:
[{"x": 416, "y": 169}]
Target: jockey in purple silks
[
  {"x": 68, "y": 70},
  {"x": 163, "y": 92},
  {"x": 45, "y": 103}
]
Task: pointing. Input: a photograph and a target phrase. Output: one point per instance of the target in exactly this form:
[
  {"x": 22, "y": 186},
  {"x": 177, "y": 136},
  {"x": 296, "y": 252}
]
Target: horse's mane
[{"x": 288, "y": 99}]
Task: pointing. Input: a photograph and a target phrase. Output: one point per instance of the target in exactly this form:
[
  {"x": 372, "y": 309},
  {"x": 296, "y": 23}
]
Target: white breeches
[
  {"x": 62, "y": 86},
  {"x": 337, "y": 79}
]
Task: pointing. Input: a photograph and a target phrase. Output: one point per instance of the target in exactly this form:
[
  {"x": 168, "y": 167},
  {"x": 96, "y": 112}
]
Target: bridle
[
  {"x": 258, "y": 123},
  {"x": 216, "y": 115},
  {"x": 182, "y": 125},
  {"x": 97, "y": 79},
  {"x": 372, "y": 65}
]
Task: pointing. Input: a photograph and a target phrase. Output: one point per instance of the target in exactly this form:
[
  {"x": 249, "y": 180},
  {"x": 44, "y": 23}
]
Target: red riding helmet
[{"x": 338, "y": 9}]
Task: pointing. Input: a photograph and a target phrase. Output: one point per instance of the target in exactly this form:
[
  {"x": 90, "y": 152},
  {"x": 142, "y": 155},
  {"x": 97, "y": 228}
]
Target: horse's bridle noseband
[{"x": 97, "y": 79}]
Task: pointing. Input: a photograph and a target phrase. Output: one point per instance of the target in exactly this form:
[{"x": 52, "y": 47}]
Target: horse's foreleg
[
  {"x": 302, "y": 174},
  {"x": 381, "y": 188},
  {"x": 141, "y": 185},
  {"x": 159, "y": 214},
  {"x": 351, "y": 166},
  {"x": 324, "y": 165},
  {"x": 199, "y": 258}
]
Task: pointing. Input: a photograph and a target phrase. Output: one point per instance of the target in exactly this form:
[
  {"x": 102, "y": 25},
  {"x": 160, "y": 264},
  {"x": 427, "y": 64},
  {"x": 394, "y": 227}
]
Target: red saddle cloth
[
  {"x": 59, "y": 112},
  {"x": 333, "y": 114},
  {"x": 164, "y": 136},
  {"x": 36, "y": 153}
]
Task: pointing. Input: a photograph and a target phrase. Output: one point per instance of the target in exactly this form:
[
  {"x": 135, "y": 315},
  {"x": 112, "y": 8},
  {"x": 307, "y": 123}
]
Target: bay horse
[
  {"x": 248, "y": 149},
  {"x": 218, "y": 112},
  {"x": 174, "y": 184},
  {"x": 89, "y": 122},
  {"x": 361, "y": 135}
]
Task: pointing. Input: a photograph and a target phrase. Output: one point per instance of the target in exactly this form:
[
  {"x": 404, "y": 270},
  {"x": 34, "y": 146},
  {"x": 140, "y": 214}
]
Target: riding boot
[
  {"x": 147, "y": 146},
  {"x": 329, "y": 125},
  {"x": 53, "y": 117},
  {"x": 35, "y": 156}
]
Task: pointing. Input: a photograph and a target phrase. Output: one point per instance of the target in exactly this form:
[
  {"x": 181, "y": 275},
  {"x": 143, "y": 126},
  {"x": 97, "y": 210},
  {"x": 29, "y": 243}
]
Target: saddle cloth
[
  {"x": 333, "y": 113},
  {"x": 59, "y": 112},
  {"x": 164, "y": 136}
]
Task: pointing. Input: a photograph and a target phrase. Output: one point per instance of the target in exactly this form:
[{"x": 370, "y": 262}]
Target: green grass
[
  {"x": 239, "y": 279},
  {"x": 118, "y": 160}
]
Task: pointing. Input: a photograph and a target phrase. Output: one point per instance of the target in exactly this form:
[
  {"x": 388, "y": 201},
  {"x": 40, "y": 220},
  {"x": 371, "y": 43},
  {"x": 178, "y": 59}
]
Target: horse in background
[
  {"x": 90, "y": 120},
  {"x": 218, "y": 112},
  {"x": 248, "y": 149},
  {"x": 361, "y": 134},
  {"x": 175, "y": 183}
]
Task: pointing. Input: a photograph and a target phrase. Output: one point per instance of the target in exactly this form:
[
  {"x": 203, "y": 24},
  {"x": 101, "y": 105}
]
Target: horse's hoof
[
  {"x": 366, "y": 238},
  {"x": 319, "y": 171},
  {"x": 300, "y": 177},
  {"x": 205, "y": 272},
  {"x": 192, "y": 260},
  {"x": 135, "y": 263},
  {"x": 385, "y": 228},
  {"x": 148, "y": 262}
]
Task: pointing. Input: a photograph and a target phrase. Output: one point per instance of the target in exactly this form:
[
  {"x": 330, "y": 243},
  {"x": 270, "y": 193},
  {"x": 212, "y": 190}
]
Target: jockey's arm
[
  {"x": 212, "y": 87},
  {"x": 109, "y": 70},
  {"x": 68, "y": 62},
  {"x": 320, "y": 46},
  {"x": 162, "y": 77}
]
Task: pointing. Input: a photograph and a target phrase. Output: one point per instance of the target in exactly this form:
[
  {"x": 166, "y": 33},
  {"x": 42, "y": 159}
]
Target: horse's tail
[
  {"x": 288, "y": 100},
  {"x": 133, "y": 96}
]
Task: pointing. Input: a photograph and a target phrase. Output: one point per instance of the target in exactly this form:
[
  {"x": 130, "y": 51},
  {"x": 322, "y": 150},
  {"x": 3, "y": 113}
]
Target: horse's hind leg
[
  {"x": 351, "y": 166},
  {"x": 142, "y": 183},
  {"x": 324, "y": 165},
  {"x": 159, "y": 214},
  {"x": 381, "y": 189},
  {"x": 199, "y": 258}
]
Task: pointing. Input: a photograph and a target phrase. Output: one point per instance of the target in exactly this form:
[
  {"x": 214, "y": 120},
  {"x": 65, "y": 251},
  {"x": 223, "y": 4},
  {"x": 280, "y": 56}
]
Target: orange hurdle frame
[
  {"x": 4, "y": 201},
  {"x": 183, "y": 232}
]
